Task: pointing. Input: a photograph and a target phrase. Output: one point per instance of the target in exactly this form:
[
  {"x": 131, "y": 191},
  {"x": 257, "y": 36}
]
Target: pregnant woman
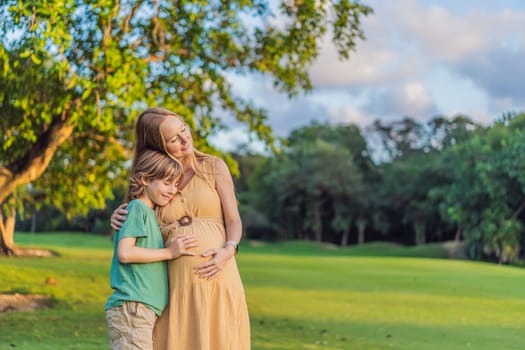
[{"x": 207, "y": 307}]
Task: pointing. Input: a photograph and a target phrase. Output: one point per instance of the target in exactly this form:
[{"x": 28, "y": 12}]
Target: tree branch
[
  {"x": 35, "y": 161},
  {"x": 519, "y": 210}
]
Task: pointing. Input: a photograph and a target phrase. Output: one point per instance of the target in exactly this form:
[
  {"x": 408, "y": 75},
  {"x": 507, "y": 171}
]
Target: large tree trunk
[
  {"x": 361, "y": 226},
  {"x": 346, "y": 235},
  {"x": 34, "y": 215},
  {"x": 457, "y": 237},
  {"x": 318, "y": 223},
  {"x": 7, "y": 232},
  {"x": 419, "y": 229},
  {"x": 29, "y": 168}
]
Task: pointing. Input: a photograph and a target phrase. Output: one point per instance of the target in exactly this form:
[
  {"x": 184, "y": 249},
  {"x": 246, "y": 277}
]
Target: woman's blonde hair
[
  {"x": 152, "y": 165},
  {"x": 148, "y": 136}
]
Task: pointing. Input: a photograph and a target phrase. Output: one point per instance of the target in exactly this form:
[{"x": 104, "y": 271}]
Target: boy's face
[{"x": 160, "y": 192}]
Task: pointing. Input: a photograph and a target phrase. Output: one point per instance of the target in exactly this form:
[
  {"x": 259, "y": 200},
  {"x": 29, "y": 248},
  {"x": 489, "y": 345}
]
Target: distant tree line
[
  {"x": 404, "y": 181},
  {"x": 446, "y": 179}
]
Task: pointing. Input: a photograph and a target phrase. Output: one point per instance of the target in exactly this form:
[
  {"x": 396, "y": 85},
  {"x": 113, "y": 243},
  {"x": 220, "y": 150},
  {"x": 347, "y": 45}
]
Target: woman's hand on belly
[{"x": 211, "y": 268}]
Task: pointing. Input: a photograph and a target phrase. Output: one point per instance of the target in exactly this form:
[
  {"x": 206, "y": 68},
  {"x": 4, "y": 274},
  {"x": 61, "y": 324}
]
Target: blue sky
[{"x": 420, "y": 59}]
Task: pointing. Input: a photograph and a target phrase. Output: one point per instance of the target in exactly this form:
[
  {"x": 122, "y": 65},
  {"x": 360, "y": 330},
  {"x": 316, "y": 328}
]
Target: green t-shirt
[{"x": 146, "y": 283}]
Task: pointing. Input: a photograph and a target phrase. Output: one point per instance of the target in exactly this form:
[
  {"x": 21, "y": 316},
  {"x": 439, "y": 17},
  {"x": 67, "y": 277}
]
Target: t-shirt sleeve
[{"x": 135, "y": 224}]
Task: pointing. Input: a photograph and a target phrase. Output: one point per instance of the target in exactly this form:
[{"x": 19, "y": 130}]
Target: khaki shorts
[{"x": 130, "y": 326}]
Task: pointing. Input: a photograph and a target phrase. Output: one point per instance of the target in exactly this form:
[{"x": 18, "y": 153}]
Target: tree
[
  {"x": 354, "y": 210},
  {"x": 254, "y": 221},
  {"x": 326, "y": 179},
  {"x": 404, "y": 190},
  {"x": 485, "y": 197},
  {"x": 445, "y": 132},
  {"x": 413, "y": 171},
  {"x": 314, "y": 188},
  {"x": 75, "y": 74},
  {"x": 406, "y": 137},
  {"x": 400, "y": 138}
]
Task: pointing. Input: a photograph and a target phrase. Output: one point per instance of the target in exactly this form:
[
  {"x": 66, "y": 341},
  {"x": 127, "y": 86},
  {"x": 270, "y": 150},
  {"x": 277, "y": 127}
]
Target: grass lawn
[{"x": 300, "y": 296}]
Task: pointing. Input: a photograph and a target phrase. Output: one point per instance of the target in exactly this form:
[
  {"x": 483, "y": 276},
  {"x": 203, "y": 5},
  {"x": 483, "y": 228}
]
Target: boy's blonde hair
[{"x": 152, "y": 165}]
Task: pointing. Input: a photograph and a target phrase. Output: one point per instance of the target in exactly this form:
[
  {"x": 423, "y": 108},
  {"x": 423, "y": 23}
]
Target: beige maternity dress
[{"x": 201, "y": 314}]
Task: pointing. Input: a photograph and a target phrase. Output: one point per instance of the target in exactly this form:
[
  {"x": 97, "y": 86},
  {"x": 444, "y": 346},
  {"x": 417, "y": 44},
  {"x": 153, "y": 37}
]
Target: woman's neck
[{"x": 186, "y": 162}]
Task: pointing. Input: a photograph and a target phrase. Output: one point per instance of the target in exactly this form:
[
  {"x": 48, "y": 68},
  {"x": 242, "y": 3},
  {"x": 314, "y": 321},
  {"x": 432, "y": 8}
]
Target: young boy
[{"x": 138, "y": 270}]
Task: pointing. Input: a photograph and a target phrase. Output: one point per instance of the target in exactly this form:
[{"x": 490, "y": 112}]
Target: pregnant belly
[{"x": 209, "y": 236}]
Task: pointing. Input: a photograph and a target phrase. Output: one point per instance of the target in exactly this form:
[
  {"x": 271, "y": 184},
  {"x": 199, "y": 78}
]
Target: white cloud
[
  {"x": 349, "y": 115},
  {"x": 420, "y": 59},
  {"x": 416, "y": 97},
  {"x": 436, "y": 32},
  {"x": 504, "y": 105},
  {"x": 368, "y": 65},
  {"x": 410, "y": 98},
  {"x": 236, "y": 139}
]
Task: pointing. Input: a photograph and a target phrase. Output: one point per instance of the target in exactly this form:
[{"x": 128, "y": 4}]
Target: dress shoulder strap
[{"x": 207, "y": 169}]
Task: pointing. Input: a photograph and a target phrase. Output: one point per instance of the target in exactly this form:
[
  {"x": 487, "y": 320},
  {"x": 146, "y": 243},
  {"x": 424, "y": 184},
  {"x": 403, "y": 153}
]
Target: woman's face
[{"x": 179, "y": 143}]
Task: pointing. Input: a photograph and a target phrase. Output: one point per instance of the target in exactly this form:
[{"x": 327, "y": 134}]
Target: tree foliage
[{"x": 485, "y": 197}]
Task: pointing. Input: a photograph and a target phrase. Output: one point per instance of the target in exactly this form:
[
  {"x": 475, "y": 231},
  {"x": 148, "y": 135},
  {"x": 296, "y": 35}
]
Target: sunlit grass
[
  {"x": 299, "y": 298},
  {"x": 386, "y": 303}
]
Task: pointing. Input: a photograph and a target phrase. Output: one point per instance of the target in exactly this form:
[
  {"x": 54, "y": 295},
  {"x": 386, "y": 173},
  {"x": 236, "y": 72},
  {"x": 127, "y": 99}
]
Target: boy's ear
[{"x": 143, "y": 181}]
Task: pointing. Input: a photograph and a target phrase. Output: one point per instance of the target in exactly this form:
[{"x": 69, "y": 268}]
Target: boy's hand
[{"x": 179, "y": 245}]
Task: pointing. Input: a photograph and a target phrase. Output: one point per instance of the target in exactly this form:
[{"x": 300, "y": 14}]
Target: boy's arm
[{"x": 128, "y": 252}]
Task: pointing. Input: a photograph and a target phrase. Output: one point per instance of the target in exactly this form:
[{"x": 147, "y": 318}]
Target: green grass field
[{"x": 300, "y": 296}]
